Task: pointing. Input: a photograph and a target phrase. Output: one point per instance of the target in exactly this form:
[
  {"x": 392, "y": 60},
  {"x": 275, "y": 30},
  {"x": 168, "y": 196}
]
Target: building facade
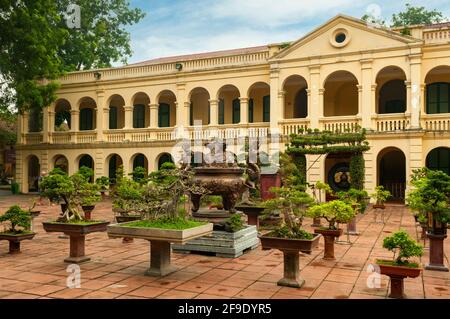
[{"x": 342, "y": 75}]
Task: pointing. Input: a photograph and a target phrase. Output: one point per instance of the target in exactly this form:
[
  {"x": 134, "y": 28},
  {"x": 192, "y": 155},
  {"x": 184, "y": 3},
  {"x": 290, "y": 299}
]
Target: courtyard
[{"x": 117, "y": 269}]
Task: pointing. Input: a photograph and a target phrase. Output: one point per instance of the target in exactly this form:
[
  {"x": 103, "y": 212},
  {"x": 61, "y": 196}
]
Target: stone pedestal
[
  {"x": 291, "y": 275},
  {"x": 397, "y": 287},
  {"x": 77, "y": 254},
  {"x": 160, "y": 259},
  {"x": 329, "y": 248},
  {"x": 436, "y": 253},
  {"x": 14, "y": 247},
  {"x": 351, "y": 228},
  {"x": 14, "y": 241}
]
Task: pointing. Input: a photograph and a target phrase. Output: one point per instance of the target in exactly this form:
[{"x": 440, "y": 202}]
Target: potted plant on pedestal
[
  {"x": 334, "y": 212},
  {"x": 317, "y": 190},
  {"x": 57, "y": 187},
  {"x": 431, "y": 194},
  {"x": 103, "y": 182},
  {"x": 86, "y": 192},
  {"x": 290, "y": 238},
  {"x": 380, "y": 196},
  {"x": 400, "y": 267},
  {"x": 164, "y": 220},
  {"x": 358, "y": 200},
  {"x": 19, "y": 230}
]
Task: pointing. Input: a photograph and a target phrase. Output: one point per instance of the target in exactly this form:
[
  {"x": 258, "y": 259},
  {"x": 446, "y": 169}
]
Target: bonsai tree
[
  {"x": 103, "y": 183},
  {"x": 381, "y": 195},
  {"x": 86, "y": 193},
  {"x": 333, "y": 212},
  {"x": 87, "y": 172},
  {"x": 18, "y": 218},
  {"x": 403, "y": 248},
  {"x": 356, "y": 198}
]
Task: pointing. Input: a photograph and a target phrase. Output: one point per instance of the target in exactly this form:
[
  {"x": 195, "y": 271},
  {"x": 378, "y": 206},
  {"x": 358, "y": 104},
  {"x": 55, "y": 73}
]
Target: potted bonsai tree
[
  {"x": 57, "y": 187},
  {"x": 290, "y": 238},
  {"x": 380, "y": 196},
  {"x": 19, "y": 227},
  {"x": 103, "y": 182},
  {"x": 358, "y": 200},
  {"x": 400, "y": 267},
  {"x": 334, "y": 212},
  {"x": 317, "y": 189},
  {"x": 86, "y": 194},
  {"x": 431, "y": 194},
  {"x": 163, "y": 219}
]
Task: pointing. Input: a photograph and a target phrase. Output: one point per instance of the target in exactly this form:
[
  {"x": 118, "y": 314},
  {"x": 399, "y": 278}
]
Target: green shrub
[
  {"x": 403, "y": 247},
  {"x": 234, "y": 223},
  {"x": 357, "y": 171},
  {"x": 381, "y": 195},
  {"x": 17, "y": 217},
  {"x": 333, "y": 212}
]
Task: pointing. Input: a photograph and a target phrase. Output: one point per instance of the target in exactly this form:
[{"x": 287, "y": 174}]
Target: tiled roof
[
  {"x": 203, "y": 55},
  {"x": 437, "y": 25}
]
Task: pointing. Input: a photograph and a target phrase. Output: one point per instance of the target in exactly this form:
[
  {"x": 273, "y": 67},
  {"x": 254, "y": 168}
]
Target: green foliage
[
  {"x": 103, "y": 182},
  {"x": 300, "y": 163},
  {"x": 416, "y": 15},
  {"x": 355, "y": 197},
  {"x": 357, "y": 171},
  {"x": 17, "y": 217},
  {"x": 57, "y": 186},
  {"x": 334, "y": 212},
  {"x": 86, "y": 172},
  {"x": 211, "y": 200},
  {"x": 234, "y": 223},
  {"x": 140, "y": 175},
  {"x": 431, "y": 194},
  {"x": 327, "y": 142},
  {"x": 86, "y": 193},
  {"x": 290, "y": 174},
  {"x": 401, "y": 243},
  {"x": 288, "y": 233},
  {"x": 381, "y": 195},
  {"x": 37, "y": 45}
]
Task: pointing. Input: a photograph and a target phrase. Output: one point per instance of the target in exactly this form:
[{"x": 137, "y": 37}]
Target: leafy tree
[
  {"x": 37, "y": 44},
  {"x": 405, "y": 246},
  {"x": 17, "y": 217},
  {"x": 416, "y": 15}
]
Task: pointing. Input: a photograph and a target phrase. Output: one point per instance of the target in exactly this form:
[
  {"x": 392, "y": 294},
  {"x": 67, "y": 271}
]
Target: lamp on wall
[
  {"x": 97, "y": 75},
  {"x": 179, "y": 66}
]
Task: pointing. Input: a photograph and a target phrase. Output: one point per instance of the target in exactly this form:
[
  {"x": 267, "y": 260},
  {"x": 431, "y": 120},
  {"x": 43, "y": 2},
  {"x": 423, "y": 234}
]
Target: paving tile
[{"x": 147, "y": 292}]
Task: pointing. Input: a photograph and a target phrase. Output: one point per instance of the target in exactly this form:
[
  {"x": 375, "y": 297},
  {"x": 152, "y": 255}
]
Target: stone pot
[
  {"x": 87, "y": 211},
  {"x": 290, "y": 249},
  {"x": 77, "y": 234},
  {"x": 329, "y": 236},
  {"x": 397, "y": 274},
  {"x": 436, "y": 261},
  {"x": 160, "y": 241},
  {"x": 14, "y": 241}
]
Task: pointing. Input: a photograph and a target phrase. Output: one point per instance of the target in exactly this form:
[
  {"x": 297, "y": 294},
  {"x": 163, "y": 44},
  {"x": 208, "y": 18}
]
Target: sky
[{"x": 176, "y": 27}]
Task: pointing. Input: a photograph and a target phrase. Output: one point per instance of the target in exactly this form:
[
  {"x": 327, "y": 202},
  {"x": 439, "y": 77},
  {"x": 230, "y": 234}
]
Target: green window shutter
[
  {"x": 395, "y": 106},
  {"x": 221, "y": 111},
  {"x": 250, "y": 111},
  {"x": 113, "y": 118},
  {"x": 438, "y": 100},
  {"x": 164, "y": 115},
  {"x": 236, "y": 111},
  {"x": 139, "y": 116},
  {"x": 86, "y": 119},
  {"x": 266, "y": 108},
  {"x": 191, "y": 114}
]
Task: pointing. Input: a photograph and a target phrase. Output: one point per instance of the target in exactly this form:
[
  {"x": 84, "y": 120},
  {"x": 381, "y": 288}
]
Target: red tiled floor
[{"x": 117, "y": 270}]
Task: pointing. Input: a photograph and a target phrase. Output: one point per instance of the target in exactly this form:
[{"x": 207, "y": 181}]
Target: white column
[
  {"x": 74, "y": 124},
  {"x": 244, "y": 110},
  {"x": 275, "y": 108},
  {"x": 100, "y": 115},
  {"x": 414, "y": 94},
  {"x": 315, "y": 102},
  {"x": 182, "y": 111},
  {"x": 154, "y": 115},
  {"x": 45, "y": 124},
  {"x": 214, "y": 112},
  {"x": 366, "y": 102},
  {"x": 282, "y": 103},
  {"x": 128, "y": 117}
]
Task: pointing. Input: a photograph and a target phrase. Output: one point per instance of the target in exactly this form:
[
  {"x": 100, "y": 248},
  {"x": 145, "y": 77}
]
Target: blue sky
[{"x": 174, "y": 27}]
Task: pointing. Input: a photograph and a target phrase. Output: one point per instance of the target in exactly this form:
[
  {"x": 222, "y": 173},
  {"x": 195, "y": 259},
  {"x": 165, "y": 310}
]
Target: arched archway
[
  {"x": 164, "y": 158},
  {"x": 391, "y": 90},
  {"x": 296, "y": 97},
  {"x": 229, "y": 105},
  {"x": 167, "y": 109},
  {"x": 88, "y": 116},
  {"x": 439, "y": 159},
  {"x": 259, "y": 103},
  {"x": 341, "y": 94},
  {"x": 437, "y": 96},
  {"x": 116, "y": 112},
  {"x": 391, "y": 163},
  {"x": 61, "y": 162},
  {"x": 113, "y": 161},
  {"x": 62, "y": 115},
  {"x": 199, "y": 109},
  {"x": 141, "y": 103},
  {"x": 87, "y": 161},
  {"x": 140, "y": 160},
  {"x": 33, "y": 173}
]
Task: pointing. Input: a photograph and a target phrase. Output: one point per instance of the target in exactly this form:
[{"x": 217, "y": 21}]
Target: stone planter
[
  {"x": 160, "y": 241},
  {"x": 252, "y": 212},
  {"x": 126, "y": 219},
  {"x": 329, "y": 236},
  {"x": 291, "y": 249},
  {"x": 77, "y": 234},
  {"x": 397, "y": 274},
  {"x": 14, "y": 241},
  {"x": 87, "y": 210}
]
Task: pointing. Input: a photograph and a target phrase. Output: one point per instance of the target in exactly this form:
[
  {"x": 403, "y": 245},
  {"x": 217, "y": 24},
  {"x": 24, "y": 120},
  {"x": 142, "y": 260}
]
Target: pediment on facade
[{"x": 344, "y": 35}]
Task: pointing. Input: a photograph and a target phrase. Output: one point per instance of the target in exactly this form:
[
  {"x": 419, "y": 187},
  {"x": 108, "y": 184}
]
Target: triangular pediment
[{"x": 359, "y": 37}]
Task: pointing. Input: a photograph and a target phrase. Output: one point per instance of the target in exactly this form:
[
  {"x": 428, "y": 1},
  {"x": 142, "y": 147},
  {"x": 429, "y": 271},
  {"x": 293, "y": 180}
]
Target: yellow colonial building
[{"x": 344, "y": 74}]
